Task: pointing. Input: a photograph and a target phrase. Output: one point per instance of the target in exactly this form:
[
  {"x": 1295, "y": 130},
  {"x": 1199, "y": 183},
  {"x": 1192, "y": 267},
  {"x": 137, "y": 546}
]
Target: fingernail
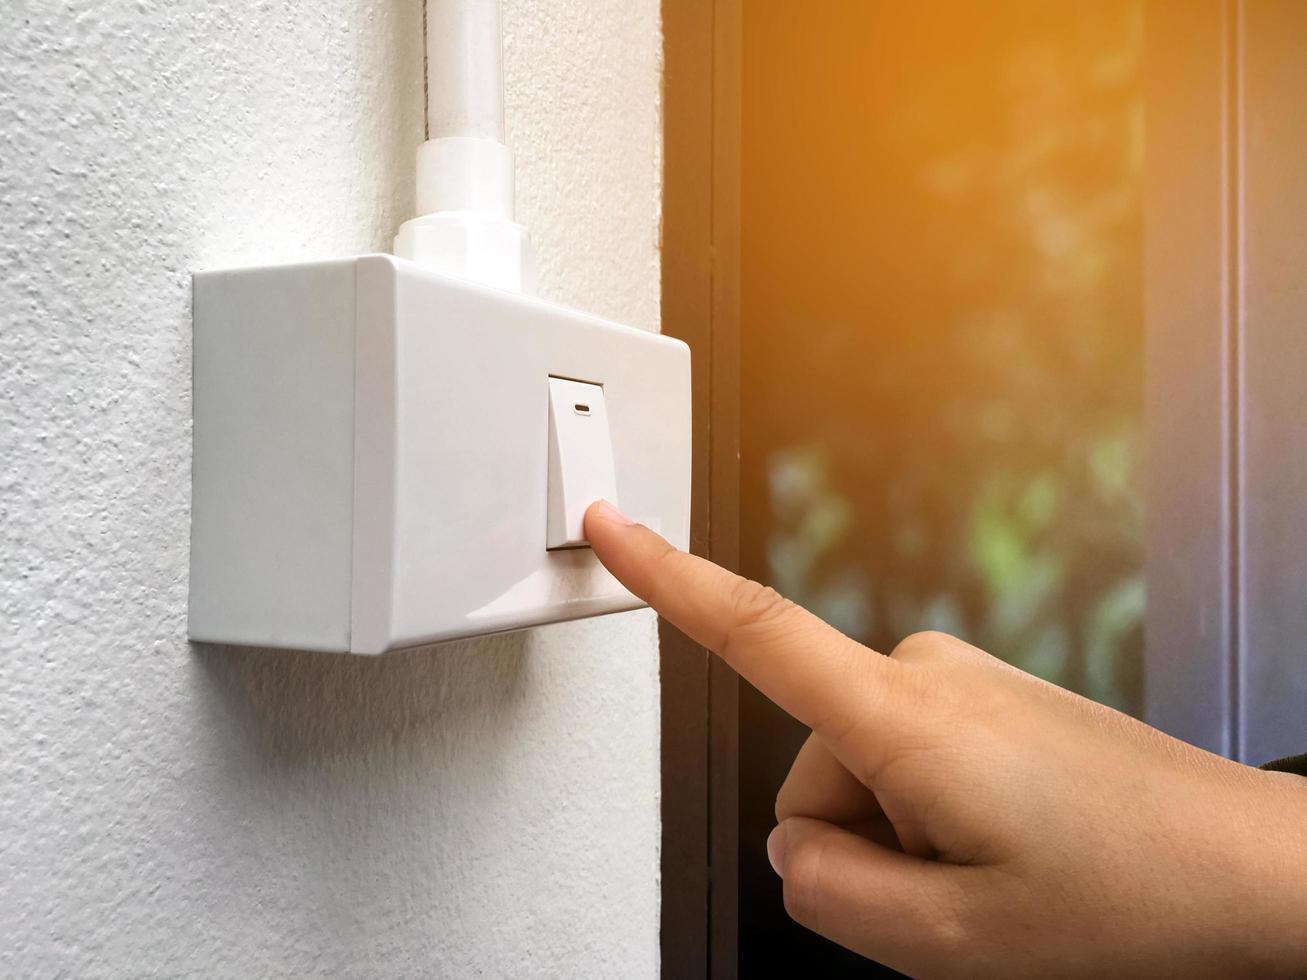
[
  {"x": 605, "y": 511},
  {"x": 776, "y": 850}
]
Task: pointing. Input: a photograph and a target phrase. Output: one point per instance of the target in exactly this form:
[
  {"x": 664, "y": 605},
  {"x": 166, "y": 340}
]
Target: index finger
[{"x": 814, "y": 672}]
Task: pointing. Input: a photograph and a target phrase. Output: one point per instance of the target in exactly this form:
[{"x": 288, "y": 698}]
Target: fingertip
[
  {"x": 625, "y": 547},
  {"x": 605, "y": 528},
  {"x": 603, "y": 524},
  {"x": 602, "y": 510}
]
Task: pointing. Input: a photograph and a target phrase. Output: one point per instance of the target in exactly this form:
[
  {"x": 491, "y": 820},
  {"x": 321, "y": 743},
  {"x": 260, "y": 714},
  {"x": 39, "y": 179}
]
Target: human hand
[{"x": 952, "y": 815}]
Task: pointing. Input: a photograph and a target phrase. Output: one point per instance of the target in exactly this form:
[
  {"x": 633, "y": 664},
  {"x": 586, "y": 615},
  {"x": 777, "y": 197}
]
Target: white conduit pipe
[
  {"x": 465, "y": 81},
  {"x": 465, "y": 223}
]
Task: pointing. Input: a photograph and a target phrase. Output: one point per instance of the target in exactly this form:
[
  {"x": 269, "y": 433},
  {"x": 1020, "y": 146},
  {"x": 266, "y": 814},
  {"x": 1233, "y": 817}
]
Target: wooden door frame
[
  {"x": 1224, "y": 299},
  {"x": 700, "y": 305},
  {"x": 1191, "y": 405}
]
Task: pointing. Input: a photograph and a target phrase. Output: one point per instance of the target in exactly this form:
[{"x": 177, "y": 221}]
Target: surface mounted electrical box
[{"x": 385, "y": 457}]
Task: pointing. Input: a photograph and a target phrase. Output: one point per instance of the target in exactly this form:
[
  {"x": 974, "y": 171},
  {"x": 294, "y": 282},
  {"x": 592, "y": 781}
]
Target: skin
[{"x": 951, "y": 815}]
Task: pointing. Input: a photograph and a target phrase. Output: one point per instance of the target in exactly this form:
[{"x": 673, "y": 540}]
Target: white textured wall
[{"x": 489, "y": 809}]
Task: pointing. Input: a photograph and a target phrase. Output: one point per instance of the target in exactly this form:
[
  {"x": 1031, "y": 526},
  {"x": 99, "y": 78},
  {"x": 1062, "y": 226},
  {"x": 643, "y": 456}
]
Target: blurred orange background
[{"x": 942, "y": 345}]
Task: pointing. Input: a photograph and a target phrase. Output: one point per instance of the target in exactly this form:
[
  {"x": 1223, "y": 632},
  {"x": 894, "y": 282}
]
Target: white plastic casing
[{"x": 371, "y": 455}]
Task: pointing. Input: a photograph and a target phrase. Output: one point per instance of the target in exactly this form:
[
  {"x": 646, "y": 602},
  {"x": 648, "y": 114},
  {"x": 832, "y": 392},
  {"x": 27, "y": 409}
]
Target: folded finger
[{"x": 819, "y": 786}]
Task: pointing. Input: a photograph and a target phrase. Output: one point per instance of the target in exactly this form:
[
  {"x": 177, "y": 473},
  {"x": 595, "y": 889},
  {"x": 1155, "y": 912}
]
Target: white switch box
[{"x": 373, "y": 446}]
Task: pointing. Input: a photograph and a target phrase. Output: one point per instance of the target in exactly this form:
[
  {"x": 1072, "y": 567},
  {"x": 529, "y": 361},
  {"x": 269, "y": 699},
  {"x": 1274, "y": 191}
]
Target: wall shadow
[{"x": 301, "y": 706}]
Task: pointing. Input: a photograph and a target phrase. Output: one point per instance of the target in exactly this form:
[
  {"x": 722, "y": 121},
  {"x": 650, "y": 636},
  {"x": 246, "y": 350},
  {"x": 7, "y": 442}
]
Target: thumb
[{"x": 886, "y": 905}]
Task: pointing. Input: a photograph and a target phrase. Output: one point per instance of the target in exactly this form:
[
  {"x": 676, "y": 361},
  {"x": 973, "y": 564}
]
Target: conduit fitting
[{"x": 465, "y": 226}]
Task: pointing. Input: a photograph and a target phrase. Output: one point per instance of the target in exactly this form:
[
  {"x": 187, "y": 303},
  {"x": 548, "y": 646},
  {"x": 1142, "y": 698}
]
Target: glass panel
[{"x": 942, "y": 348}]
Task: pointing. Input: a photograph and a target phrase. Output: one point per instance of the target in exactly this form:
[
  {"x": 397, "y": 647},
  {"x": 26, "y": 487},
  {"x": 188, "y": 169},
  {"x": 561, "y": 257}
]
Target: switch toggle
[{"x": 580, "y": 459}]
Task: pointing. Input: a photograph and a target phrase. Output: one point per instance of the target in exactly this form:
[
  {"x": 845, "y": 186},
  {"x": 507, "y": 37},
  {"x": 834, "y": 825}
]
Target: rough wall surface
[{"x": 486, "y": 810}]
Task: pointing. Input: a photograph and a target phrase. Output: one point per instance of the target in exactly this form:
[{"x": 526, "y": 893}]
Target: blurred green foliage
[{"x": 968, "y": 453}]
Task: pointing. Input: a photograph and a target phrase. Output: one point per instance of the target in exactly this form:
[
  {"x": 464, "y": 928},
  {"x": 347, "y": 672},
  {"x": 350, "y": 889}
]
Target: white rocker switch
[{"x": 580, "y": 460}]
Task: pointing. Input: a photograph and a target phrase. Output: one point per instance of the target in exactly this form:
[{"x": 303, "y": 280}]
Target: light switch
[{"x": 580, "y": 459}]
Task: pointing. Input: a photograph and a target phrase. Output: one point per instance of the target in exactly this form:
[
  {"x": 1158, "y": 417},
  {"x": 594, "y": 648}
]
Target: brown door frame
[
  {"x": 700, "y": 305},
  {"x": 1224, "y": 301}
]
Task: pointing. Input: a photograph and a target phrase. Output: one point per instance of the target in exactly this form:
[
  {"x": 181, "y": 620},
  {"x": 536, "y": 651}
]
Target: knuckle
[
  {"x": 666, "y": 558},
  {"x": 950, "y": 935},
  {"x": 754, "y": 602},
  {"x": 661, "y": 575},
  {"x": 752, "y": 605},
  {"x": 917, "y": 647},
  {"x": 803, "y": 883}
]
